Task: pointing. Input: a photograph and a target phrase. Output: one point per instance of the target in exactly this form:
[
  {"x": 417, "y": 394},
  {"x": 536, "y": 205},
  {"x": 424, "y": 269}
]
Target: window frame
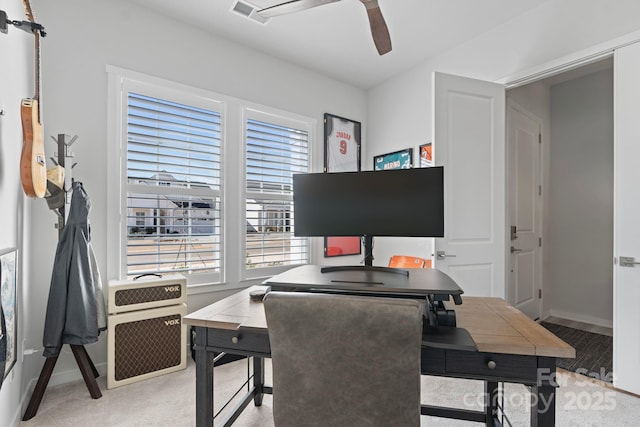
[
  {"x": 279, "y": 118},
  {"x": 234, "y": 112}
]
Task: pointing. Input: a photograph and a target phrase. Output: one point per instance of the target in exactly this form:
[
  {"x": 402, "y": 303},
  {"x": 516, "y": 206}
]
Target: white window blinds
[
  {"x": 173, "y": 187},
  {"x": 273, "y": 154}
]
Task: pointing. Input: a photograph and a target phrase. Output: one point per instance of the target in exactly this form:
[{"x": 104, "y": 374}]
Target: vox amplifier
[{"x": 145, "y": 333}]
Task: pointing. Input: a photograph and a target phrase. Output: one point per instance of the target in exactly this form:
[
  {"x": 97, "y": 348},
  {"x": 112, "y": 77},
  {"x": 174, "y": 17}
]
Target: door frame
[
  {"x": 548, "y": 69},
  {"x": 566, "y": 63},
  {"x": 510, "y": 289}
]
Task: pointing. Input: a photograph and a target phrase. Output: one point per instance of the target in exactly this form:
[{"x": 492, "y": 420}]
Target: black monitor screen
[{"x": 404, "y": 202}]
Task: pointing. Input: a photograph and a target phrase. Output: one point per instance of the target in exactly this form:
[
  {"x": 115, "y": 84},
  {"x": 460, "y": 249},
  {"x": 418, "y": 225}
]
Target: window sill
[{"x": 205, "y": 288}]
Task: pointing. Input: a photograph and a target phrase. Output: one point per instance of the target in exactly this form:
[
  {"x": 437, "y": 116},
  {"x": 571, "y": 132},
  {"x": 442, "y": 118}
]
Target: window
[
  {"x": 206, "y": 183},
  {"x": 140, "y": 217},
  {"x": 173, "y": 187},
  {"x": 274, "y": 152}
]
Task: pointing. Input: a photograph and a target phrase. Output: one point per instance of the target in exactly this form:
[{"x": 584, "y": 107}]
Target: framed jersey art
[{"x": 341, "y": 154}]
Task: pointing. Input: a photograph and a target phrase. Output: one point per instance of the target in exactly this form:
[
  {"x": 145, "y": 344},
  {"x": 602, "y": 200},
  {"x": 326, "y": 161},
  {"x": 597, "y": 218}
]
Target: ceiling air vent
[{"x": 248, "y": 11}]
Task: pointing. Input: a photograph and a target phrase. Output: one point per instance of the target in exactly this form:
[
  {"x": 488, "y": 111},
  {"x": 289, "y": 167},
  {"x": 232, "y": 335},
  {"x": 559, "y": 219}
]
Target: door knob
[
  {"x": 514, "y": 250},
  {"x": 442, "y": 255}
]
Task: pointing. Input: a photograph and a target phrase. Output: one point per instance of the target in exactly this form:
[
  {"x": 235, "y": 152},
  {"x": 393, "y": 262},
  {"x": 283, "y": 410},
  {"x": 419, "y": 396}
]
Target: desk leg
[
  {"x": 543, "y": 396},
  {"x": 491, "y": 402},
  {"x": 543, "y": 406},
  {"x": 258, "y": 380},
  {"x": 204, "y": 381}
]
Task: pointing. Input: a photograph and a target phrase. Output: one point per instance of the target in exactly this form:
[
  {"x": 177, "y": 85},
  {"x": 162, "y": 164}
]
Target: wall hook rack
[{"x": 29, "y": 27}]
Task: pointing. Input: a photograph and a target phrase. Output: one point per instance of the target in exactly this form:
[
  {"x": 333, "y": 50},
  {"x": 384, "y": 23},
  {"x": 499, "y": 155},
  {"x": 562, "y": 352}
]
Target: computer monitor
[{"x": 403, "y": 202}]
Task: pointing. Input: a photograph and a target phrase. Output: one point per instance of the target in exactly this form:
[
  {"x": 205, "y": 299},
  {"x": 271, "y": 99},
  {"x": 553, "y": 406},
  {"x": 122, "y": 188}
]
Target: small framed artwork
[
  {"x": 9, "y": 329},
  {"x": 341, "y": 154},
  {"x": 341, "y": 246},
  {"x": 426, "y": 155},
  {"x": 402, "y": 159}
]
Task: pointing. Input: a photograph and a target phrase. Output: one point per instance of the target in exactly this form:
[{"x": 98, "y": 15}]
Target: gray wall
[{"x": 579, "y": 246}]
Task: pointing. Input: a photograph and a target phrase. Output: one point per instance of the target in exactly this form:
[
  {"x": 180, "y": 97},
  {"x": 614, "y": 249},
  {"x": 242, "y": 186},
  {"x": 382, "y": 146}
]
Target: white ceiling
[{"x": 335, "y": 39}]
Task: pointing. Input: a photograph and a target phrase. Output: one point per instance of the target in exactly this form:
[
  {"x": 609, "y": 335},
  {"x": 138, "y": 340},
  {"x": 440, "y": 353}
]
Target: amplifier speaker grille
[
  {"x": 138, "y": 350},
  {"x": 134, "y": 295},
  {"x": 131, "y": 296}
]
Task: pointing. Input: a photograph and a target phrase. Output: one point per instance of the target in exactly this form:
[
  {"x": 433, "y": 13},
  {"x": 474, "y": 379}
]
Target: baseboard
[
  {"x": 584, "y": 318},
  {"x": 74, "y": 374},
  {"x": 544, "y": 316}
]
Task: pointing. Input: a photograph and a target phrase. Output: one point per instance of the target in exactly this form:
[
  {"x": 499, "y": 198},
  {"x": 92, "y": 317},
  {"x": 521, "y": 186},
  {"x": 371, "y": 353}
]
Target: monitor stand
[
  {"x": 368, "y": 262},
  {"x": 367, "y": 241}
]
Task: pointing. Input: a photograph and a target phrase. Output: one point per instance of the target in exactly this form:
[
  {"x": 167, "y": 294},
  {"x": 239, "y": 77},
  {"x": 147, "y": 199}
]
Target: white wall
[
  {"x": 16, "y": 77},
  {"x": 400, "y": 110},
  {"x": 84, "y": 36},
  {"x": 580, "y": 239}
]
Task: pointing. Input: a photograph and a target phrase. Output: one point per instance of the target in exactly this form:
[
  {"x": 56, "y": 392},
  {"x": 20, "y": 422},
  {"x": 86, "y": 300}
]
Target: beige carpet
[{"x": 169, "y": 401}]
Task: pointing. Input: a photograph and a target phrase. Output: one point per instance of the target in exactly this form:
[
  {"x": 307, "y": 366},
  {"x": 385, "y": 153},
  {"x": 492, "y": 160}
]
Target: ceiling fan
[{"x": 379, "y": 29}]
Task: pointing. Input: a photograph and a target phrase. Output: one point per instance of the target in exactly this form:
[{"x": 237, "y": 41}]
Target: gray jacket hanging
[{"x": 75, "y": 310}]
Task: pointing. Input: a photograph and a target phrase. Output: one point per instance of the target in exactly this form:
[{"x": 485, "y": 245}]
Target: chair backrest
[
  {"x": 403, "y": 261},
  {"x": 343, "y": 360}
]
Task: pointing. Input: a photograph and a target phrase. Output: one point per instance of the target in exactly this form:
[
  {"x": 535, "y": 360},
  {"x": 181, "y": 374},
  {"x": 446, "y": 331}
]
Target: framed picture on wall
[
  {"x": 341, "y": 144},
  {"x": 341, "y": 154},
  {"x": 426, "y": 155},
  {"x": 8, "y": 300},
  {"x": 402, "y": 159}
]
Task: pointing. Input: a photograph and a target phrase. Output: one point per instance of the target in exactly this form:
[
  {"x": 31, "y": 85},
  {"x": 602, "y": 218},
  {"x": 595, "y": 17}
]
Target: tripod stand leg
[
  {"x": 87, "y": 369},
  {"x": 96, "y": 374},
  {"x": 41, "y": 386}
]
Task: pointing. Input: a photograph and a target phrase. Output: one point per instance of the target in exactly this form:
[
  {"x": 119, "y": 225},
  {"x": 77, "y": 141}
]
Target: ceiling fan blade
[
  {"x": 379, "y": 29},
  {"x": 291, "y": 7}
]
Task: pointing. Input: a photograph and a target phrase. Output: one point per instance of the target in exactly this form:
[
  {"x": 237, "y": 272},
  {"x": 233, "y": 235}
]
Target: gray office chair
[{"x": 344, "y": 361}]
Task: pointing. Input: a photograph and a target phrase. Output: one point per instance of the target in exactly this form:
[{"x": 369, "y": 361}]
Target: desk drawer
[
  {"x": 252, "y": 342},
  {"x": 491, "y": 365}
]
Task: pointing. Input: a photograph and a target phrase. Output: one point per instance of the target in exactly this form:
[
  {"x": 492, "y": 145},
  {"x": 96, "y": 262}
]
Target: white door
[
  {"x": 626, "y": 223},
  {"x": 469, "y": 141},
  {"x": 524, "y": 194}
]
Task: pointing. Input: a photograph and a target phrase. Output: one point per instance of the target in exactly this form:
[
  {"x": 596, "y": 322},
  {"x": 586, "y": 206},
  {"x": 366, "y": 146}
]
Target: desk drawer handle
[
  {"x": 235, "y": 339},
  {"x": 491, "y": 365}
]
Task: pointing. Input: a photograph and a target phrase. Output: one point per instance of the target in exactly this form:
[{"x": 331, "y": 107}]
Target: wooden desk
[{"x": 512, "y": 348}]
